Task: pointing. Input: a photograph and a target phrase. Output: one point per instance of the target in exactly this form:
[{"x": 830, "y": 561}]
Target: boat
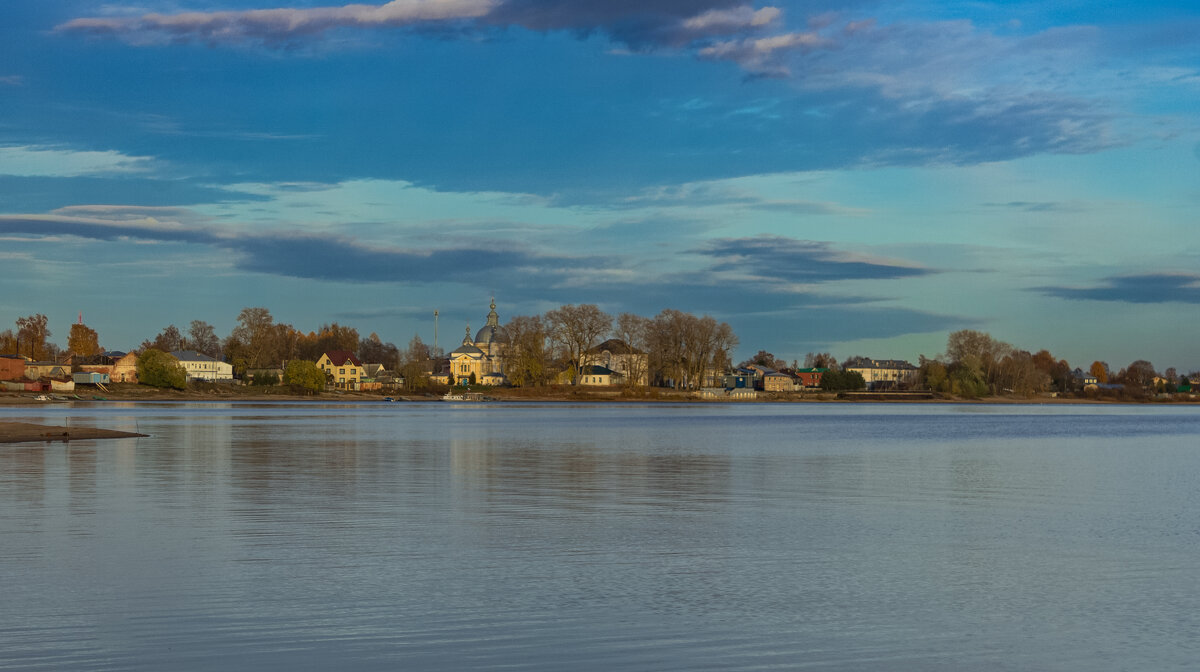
[
  {"x": 466, "y": 396},
  {"x": 388, "y": 399}
]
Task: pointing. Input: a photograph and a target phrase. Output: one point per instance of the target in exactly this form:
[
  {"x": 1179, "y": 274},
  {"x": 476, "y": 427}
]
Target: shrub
[{"x": 160, "y": 369}]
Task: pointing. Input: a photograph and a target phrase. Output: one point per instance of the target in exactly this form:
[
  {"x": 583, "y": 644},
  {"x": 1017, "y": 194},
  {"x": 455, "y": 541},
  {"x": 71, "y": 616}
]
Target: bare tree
[
  {"x": 32, "y": 334},
  {"x": 527, "y": 358},
  {"x": 634, "y": 331},
  {"x": 203, "y": 338},
  {"x": 577, "y": 328}
]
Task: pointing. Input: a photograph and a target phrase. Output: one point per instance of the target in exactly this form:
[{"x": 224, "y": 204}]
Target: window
[{"x": 341, "y": 370}]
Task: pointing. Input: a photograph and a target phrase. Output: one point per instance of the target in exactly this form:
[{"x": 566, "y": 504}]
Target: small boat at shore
[{"x": 466, "y": 396}]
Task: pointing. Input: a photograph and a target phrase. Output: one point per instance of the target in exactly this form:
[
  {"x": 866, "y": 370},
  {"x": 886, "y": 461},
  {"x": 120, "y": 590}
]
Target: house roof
[
  {"x": 191, "y": 356},
  {"x": 865, "y": 363},
  {"x": 593, "y": 370},
  {"x": 616, "y": 346},
  {"x": 340, "y": 357},
  {"x": 467, "y": 349}
]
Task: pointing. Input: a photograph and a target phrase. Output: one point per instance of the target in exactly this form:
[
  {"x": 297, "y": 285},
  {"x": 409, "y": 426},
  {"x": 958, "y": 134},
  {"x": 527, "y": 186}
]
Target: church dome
[{"x": 492, "y": 332}]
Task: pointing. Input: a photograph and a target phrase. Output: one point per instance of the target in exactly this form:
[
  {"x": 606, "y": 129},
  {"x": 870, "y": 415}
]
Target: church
[{"x": 481, "y": 360}]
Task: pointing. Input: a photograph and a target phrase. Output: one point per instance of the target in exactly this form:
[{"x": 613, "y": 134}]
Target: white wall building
[{"x": 200, "y": 366}]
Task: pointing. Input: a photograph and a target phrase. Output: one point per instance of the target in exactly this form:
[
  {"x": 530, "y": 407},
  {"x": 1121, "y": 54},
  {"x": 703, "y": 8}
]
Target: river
[{"x": 435, "y": 536}]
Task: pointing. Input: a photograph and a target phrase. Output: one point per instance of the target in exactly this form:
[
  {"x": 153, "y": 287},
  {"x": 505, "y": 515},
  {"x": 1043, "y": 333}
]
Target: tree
[
  {"x": 986, "y": 351},
  {"x": 933, "y": 375},
  {"x": 820, "y": 360},
  {"x": 83, "y": 341},
  {"x": 414, "y": 362},
  {"x": 577, "y": 328},
  {"x": 304, "y": 376},
  {"x": 203, "y": 338},
  {"x": 161, "y": 369},
  {"x": 633, "y": 330},
  {"x": 1100, "y": 371},
  {"x": 764, "y": 358},
  {"x": 527, "y": 359},
  {"x": 834, "y": 381},
  {"x": 683, "y": 348},
  {"x": 375, "y": 351},
  {"x": 1140, "y": 374},
  {"x": 254, "y": 340},
  {"x": 8, "y": 342},
  {"x": 169, "y": 340},
  {"x": 31, "y": 336}
]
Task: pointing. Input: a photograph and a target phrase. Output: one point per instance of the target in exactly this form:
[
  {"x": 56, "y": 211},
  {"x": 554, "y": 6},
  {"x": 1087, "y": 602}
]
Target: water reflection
[{"x": 642, "y": 537}]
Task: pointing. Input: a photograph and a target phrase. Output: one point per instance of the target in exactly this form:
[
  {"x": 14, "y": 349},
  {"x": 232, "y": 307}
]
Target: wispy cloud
[
  {"x": 11, "y": 80},
  {"x": 297, "y": 254},
  {"x": 800, "y": 261},
  {"x": 36, "y": 161},
  {"x": 1147, "y": 288},
  {"x": 275, "y": 26}
]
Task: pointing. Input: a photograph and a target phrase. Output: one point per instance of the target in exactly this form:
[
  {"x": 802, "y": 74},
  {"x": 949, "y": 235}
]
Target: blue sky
[{"x": 857, "y": 177}]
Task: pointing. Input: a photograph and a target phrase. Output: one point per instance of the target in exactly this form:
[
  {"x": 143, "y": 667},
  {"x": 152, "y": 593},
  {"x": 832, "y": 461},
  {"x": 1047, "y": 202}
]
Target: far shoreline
[{"x": 560, "y": 394}]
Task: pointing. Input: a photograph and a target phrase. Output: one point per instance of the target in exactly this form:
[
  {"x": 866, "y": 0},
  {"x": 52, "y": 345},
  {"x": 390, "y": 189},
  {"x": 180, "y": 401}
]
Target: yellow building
[
  {"x": 483, "y": 356},
  {"x": 343, "y": 368}
]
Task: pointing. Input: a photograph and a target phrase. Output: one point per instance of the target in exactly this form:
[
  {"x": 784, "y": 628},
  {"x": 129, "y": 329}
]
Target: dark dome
[{"x": 490, "y": 334}]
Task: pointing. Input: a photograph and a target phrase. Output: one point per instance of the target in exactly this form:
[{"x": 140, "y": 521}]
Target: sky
[{"x": 855, "y": 177}]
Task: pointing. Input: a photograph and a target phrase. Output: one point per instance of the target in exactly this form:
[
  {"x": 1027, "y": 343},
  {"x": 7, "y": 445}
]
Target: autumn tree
[
  {"x": 83, "y": 340},
  {"x": 1100, "y": 371},
  {"x": 576, "y": 328},
  {"x": 8, "y": 342},
  {"x": 203, "y": 339},
  {"x": 304, "y": 376},
  {"x": 32, "y": 333}
]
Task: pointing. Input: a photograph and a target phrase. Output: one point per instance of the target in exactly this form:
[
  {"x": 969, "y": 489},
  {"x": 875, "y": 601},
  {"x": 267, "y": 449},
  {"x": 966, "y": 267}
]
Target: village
[{"x": 574, "y": 347}]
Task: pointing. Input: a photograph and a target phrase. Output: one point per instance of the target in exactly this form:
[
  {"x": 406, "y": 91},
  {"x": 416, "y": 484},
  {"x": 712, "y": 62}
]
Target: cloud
[
  {"x": 640, "y": 25},
  {"x": 1037, "y": 206},
  {"x": 1147, "y": 288},
  {"x": 776, "y": 258},
  {"x": 301, "y": 255},
  {"x": 38, "y": 161},
  {"x": 707, "y": 194},
  {"x": 11, "y": 80},
  {"x": 764, "y": 56},
  {"x": 275, "y": 26}
]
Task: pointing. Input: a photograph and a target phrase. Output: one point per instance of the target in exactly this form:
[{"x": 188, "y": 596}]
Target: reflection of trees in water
[{"x": 578, "y": 474}]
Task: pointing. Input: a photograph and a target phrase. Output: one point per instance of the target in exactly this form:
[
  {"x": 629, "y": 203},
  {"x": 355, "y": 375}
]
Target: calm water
[{"x": 577, "y": 537}]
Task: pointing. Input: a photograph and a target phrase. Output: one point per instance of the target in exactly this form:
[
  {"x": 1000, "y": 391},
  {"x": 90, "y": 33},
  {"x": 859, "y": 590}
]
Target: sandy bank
[{"x": 22, "y": 432}]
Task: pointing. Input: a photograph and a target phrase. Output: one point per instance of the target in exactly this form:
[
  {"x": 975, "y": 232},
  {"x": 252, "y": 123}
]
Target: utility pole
[{"x": 436, "y": 353}]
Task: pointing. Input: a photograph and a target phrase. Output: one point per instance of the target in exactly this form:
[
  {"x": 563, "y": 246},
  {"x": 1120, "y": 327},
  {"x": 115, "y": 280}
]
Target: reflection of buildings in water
[{"x": 23, "y": 473}]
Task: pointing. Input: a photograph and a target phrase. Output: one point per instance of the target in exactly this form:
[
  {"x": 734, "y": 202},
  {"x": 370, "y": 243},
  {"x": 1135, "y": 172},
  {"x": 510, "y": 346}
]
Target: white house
[{"x": 200, "y": 366}]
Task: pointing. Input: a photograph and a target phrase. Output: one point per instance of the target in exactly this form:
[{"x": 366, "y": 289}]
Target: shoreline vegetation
[{"x": 553, "y": 393}]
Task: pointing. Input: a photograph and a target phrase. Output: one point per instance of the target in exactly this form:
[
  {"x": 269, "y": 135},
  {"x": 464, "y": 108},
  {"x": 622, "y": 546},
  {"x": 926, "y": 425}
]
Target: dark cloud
[
  {"x": 1148, "y": 288},
  {"x": 803, "y": 261},
  {"x": 311, "y": 256}
]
